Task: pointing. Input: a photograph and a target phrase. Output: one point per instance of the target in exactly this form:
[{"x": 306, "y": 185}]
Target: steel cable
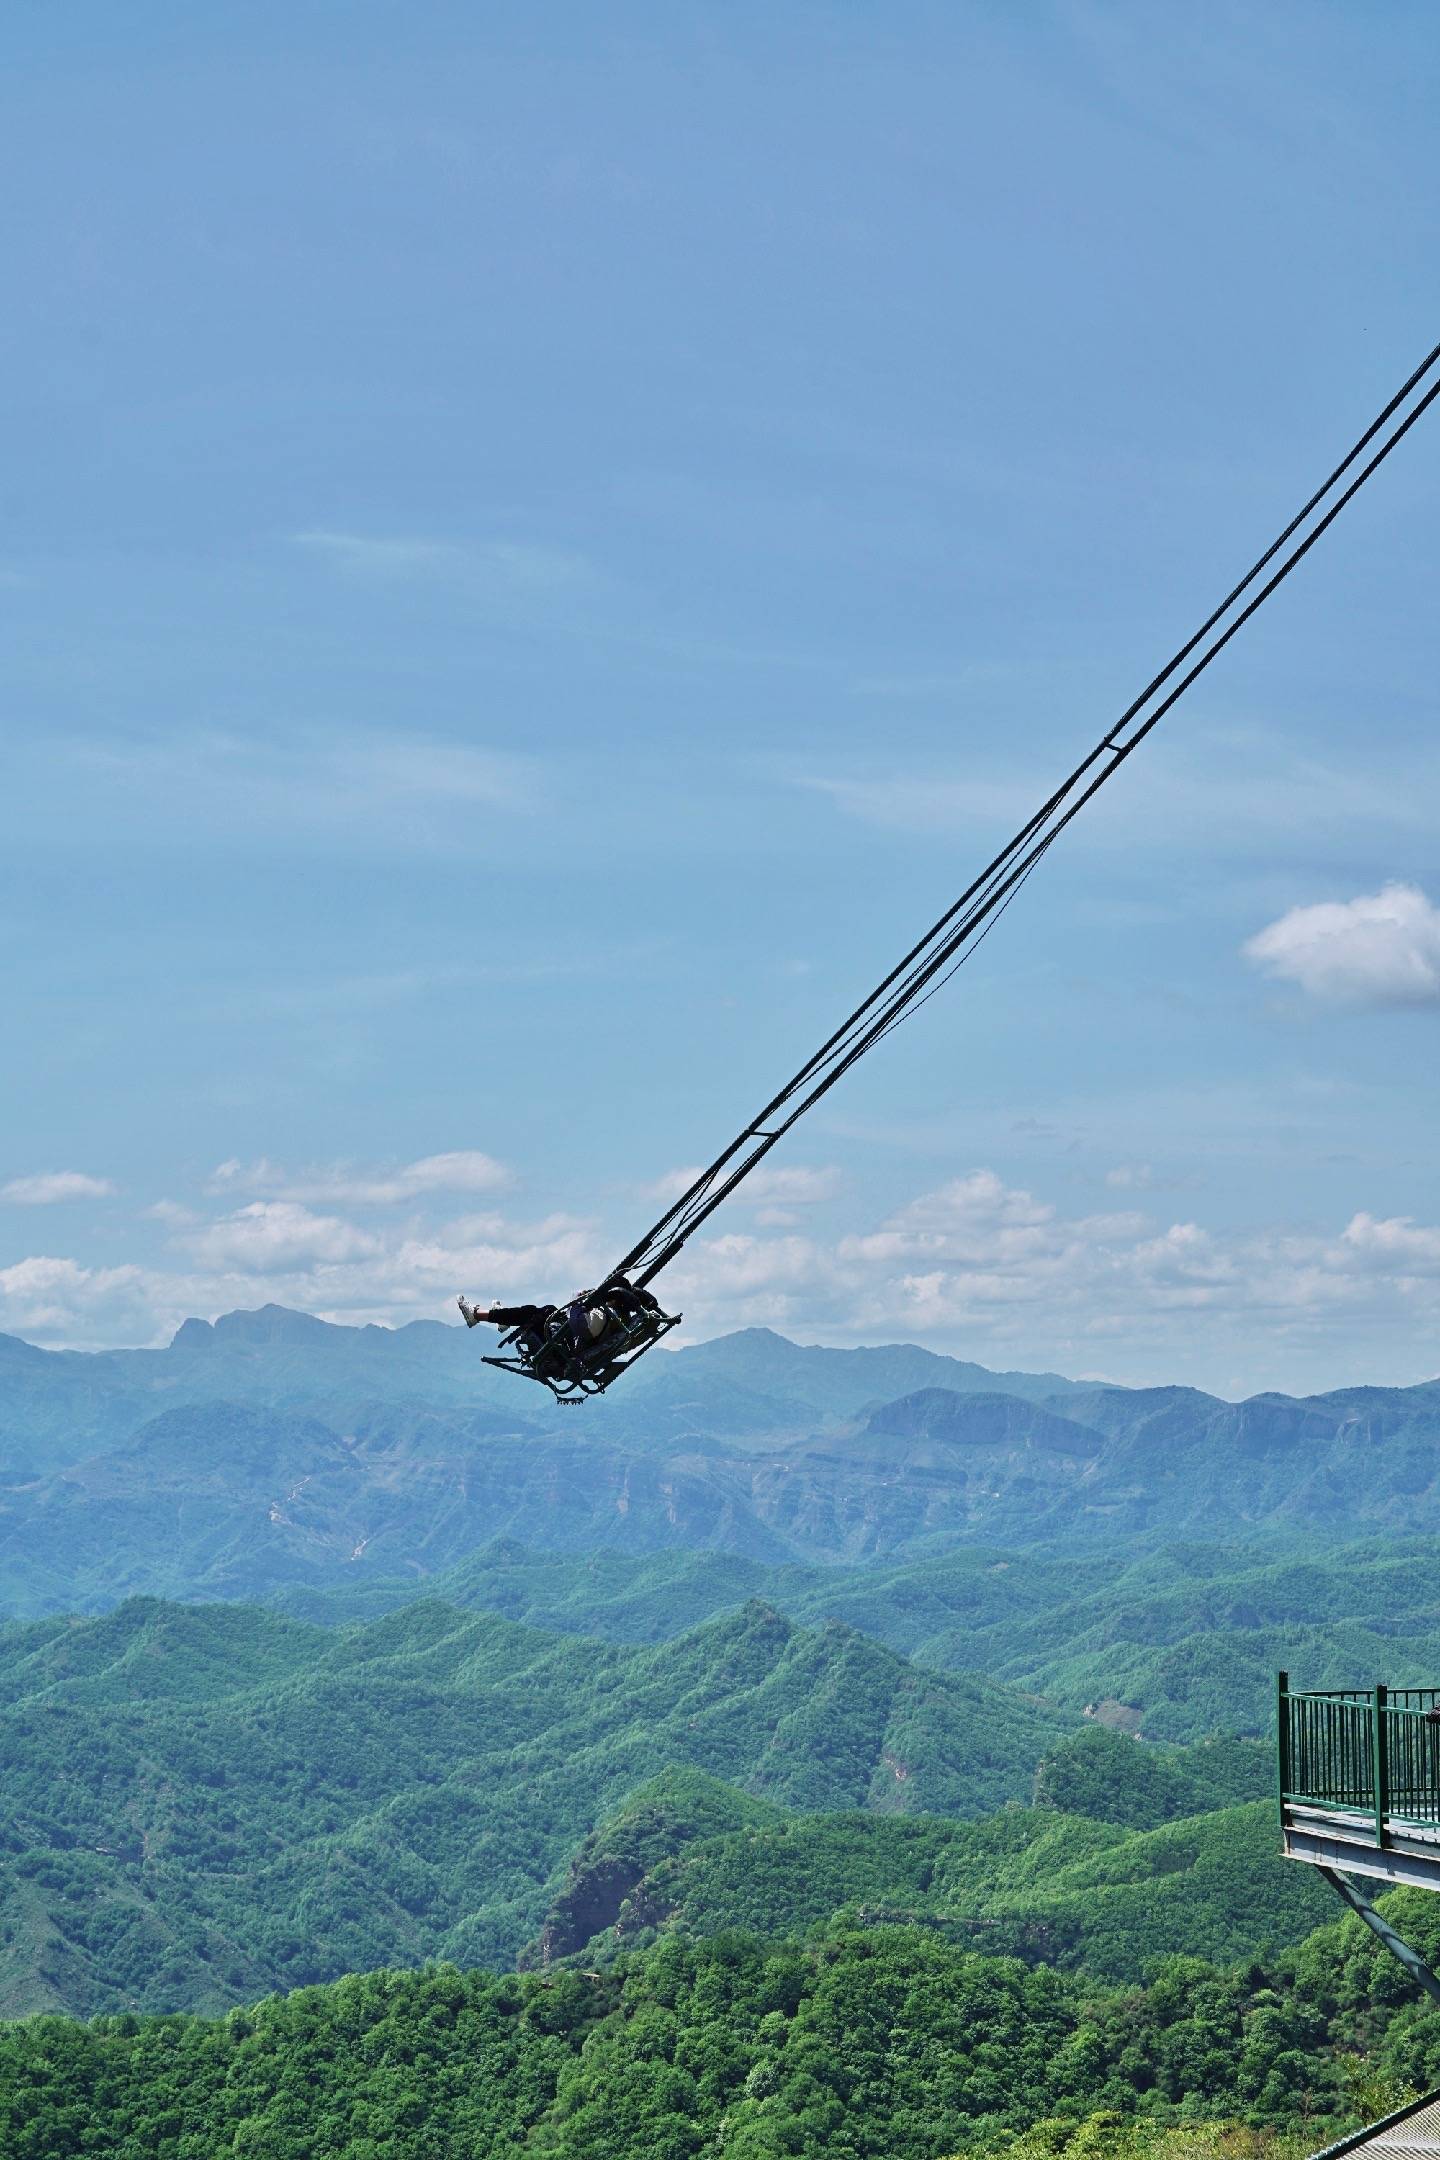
[{"x": 950, "y": 941}]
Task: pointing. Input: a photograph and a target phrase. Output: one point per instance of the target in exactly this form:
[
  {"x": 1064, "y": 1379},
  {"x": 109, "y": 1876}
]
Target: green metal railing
[{"x": 1361, "y": 1751}]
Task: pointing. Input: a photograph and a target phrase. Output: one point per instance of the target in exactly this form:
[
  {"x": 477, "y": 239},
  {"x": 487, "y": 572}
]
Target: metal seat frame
[{"x": 582, "y": 1373}]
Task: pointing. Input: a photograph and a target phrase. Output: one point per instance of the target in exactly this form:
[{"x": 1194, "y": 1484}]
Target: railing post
[
  {"x": 1380, "y": 1760},
  {"x": 1282, "y": 1743}
]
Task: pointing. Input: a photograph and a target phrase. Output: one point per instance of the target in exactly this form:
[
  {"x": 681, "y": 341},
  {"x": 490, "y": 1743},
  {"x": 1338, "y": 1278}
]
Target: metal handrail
[{"x": 1361, "y": 1751}]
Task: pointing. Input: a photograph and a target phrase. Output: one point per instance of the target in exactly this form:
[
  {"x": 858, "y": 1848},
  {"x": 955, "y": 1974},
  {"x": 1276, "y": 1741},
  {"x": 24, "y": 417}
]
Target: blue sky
[{"x": 541, "y": 546}]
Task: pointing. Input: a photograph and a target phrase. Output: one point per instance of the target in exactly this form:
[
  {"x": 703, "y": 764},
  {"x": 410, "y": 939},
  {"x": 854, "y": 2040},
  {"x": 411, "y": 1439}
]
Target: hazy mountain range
[{"x": 272, "y": 1450}]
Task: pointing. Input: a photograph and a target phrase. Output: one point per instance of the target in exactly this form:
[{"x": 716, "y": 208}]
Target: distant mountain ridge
[
  {"x": 57, "y": 1406},
  {"x": 272, "y": 1451}
]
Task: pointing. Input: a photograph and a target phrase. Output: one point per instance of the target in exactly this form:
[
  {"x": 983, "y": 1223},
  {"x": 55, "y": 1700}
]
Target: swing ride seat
[{"x": 570, "y": 1373}]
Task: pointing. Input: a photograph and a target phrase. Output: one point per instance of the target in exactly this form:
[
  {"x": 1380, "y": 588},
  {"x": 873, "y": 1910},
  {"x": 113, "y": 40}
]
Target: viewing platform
[{"x": 1359, "y": 1780}]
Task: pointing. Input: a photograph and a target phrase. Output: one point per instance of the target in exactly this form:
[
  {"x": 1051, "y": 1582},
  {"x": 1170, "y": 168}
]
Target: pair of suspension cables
[{"x": 948, "y": 944}]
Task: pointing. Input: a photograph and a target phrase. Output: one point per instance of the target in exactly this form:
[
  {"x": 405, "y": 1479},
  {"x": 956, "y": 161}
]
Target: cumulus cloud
[
  {"x": 47, "y": 1299},
  {"x": 968, "y": 1219},
  {"x": 992, "y": 1271},
  {"x": 976, "y": 1265},
  {"x": 1378, "y": 949},
  {"x": 1398, "y": 1245},
  {"x": 278, "y": 1234},
  {"x": 54, "y": 1185},
  {"x": 460, "y": 1172},
  {"x": 281, "y": 1252}
]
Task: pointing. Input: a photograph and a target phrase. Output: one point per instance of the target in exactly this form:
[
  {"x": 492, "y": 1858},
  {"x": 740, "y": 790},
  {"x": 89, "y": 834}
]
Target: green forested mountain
[
  {"x": 784, "y": 1675},
  {"x": 1187, "y": 1637},
  {"x": 890, "y": 2042},
  {"x": 687, "y": 1855},
  {"x": 1105, "y": 1775},
  {"x": 204, "y": 1802}
]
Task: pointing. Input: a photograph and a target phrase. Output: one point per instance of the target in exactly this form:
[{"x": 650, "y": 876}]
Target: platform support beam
[{"x": 1381, "y": 1929}]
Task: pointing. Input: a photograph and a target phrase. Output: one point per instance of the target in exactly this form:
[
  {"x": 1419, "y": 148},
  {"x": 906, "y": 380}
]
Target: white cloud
[
  {"x": 462, "y": 1171},
  {"x": 992, "y": 1272},
  {"x": 977, "y": 1266},
  {"x": 1378, "y": 949},
  {"x": 282, "y": 1253},
  {"x": 278, "y": 1234},
  {"x": 967, "y": 1219},
  {"x": 45, "y": 1299},
  {"x": 667, "y": 1189},
  {"x": 55, "y": 1185},
  {"x": 1399, "y": 1245}
]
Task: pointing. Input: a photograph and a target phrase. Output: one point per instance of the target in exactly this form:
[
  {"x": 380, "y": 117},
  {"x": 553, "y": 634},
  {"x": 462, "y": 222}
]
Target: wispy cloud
[
  {"x": 460, "y": 1172},
  {"x": 1231, "y": 790},
  {"x": 52, "y": 1186},
  {"x": 1379, "y": 949},
  {"x": 925, "y": 803},
  {"x": 499, "y": 567},
  {"x": 772, "y": 1185},
  {"x": 327, "y": 786}
]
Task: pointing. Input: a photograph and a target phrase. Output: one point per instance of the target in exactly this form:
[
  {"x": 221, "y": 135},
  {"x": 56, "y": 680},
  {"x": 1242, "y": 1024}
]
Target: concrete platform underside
[{"x": 1328, "y": 1837}]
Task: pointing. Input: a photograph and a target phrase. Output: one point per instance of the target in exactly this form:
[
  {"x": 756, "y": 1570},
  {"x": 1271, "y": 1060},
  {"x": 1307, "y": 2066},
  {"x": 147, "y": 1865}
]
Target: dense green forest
[
  {"x": 1185, "y": 1637},
  {"x": 687, "y": 1854},
  {"x": 880, "y": 2044},
  {"x": 209, "y": 1802}
]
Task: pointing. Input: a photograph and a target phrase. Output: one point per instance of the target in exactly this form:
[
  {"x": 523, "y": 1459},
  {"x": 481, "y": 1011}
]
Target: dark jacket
[{"x": 521, "y": 1316}]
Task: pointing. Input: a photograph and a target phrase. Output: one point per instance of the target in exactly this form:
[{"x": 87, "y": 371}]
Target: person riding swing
[{"x": 568, "y": 1340}]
